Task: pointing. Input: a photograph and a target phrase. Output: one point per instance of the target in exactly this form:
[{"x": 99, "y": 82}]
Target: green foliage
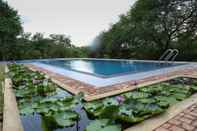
[
  {"x": 10, "y": 27},
  {"x": 33, "y": 91},
  {"x": 149, "y": 28},
  {"x": 102, "y": 125},
  {"x": 39, "y": 47},
  {"x": 140, "y": 104},
  {"x": 65, "y": 119}
]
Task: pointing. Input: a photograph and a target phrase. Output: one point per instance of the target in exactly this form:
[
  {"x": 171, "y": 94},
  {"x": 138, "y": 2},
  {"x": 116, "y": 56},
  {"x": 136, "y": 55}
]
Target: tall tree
[
  {"x": 150, "y": 27},
  {"x": 10, "y": 27}
]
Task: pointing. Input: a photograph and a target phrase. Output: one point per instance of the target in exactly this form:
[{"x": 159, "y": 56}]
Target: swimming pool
[
  {"x": 105, "y": 72},
  {"x": 107, "y": 68}
]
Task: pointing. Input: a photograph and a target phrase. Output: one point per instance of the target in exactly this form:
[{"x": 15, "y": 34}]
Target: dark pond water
[{"x": 37, "y": 123}]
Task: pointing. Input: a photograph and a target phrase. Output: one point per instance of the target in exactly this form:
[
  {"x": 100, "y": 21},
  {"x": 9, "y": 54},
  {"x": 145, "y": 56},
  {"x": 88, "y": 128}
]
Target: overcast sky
[{"x": 82, "y": 20}]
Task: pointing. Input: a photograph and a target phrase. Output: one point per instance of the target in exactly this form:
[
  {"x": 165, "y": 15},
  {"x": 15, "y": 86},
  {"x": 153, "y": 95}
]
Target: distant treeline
[{"x": 37, "y": 46}]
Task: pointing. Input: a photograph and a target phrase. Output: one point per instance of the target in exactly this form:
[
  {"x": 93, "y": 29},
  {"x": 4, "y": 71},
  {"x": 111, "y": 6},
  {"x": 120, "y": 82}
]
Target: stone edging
[{"x": 11, "y": 117}]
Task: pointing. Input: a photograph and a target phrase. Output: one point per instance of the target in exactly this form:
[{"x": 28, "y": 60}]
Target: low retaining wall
[{"x": 11, "y": 117}]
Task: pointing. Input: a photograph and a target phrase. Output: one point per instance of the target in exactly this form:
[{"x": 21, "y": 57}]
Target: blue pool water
[{"x": 107, "y": 68}]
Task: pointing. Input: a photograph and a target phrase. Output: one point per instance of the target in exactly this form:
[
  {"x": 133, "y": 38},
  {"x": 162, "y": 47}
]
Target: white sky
[{"x": 82, "y": 20}]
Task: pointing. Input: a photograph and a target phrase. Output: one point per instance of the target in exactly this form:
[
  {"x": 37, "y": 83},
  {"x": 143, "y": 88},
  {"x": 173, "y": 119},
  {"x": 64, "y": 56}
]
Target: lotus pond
[{"x": 44, "y": 106}]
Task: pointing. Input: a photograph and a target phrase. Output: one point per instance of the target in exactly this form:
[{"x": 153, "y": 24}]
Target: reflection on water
[
  {"x": 107, "y": 67},
  {"x": 80, "y": 65}
]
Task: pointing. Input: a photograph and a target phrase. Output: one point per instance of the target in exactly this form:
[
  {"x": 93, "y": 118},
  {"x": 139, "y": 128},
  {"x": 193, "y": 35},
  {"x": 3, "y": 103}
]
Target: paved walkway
[{"x": 184, "y": 121}]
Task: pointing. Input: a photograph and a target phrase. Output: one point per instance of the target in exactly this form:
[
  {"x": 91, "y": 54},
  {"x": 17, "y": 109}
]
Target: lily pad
[
  {"x": 27, "y": 110},
  {"x": 102, "y": 125},
  {"x": 94, "y": 108},
  {"x": 136, "y": 95},
  {"x": 65, "y": 119}
]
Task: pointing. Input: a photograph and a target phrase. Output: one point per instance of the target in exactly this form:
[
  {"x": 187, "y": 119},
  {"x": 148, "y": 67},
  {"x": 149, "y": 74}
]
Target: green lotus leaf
[
  {"x": 136, "y": 95},
  {"x": 23, "y": 93},
  {"x": 180, "y": 96},
  {"x": 129, "y": 119},
  {"x": 179, "y": 89},
  {"x": 126, "y": 114},
  {"x": 138, "y": 107},
  {"x": 169, "y": 99},
  {"x": 49, "y": 100},
  {"x": 193, "y": 88},
  {"x": 154, "y": 89},
  {"x": 165, "y": 93},
  {"x": 102, "y": 125},
  {"x": 94, "y": 108},
  {"x": 112, "y": 128},
  {"x": 109, "y": 112},
  {"x": 123, "y": 110},
  {"x": 110, "y": 102},
  {"x": 194, "y": 82},
  {"x": 153, "y": 109},
  {"x": 147, "y": 100},
  {"x": 65, "y": 119},
  {"x": 163, "y": 104},
  {"x": 26, "y": 110}
]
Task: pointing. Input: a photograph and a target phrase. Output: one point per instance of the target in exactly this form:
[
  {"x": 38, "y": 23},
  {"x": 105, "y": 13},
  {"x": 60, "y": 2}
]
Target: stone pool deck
[
  {"x": 93, "y": 93},
  {"x": 184, "y": 121}
]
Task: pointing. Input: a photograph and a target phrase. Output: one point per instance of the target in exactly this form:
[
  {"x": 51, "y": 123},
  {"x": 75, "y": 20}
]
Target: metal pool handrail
[{"x": 169, "y": 55}]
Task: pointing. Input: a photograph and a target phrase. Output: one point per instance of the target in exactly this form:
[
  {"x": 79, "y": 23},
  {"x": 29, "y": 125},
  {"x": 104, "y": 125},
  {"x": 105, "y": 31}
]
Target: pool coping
[{"x": 91, "y": 93}]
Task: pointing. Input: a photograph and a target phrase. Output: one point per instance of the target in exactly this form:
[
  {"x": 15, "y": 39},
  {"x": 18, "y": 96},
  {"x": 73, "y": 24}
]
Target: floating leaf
[
  {"x": 194, "y": 88},
  {"x": 147, "y": 100},
  {"x": 27, "y": 110},
  {"x": 163, "y": 104},
  {"x": 94, "y": 108},
  {"x": 65, "y": 119},
  {"x": 137, "y": 95},
  {"x": 109, "y": 112},
  {"x": 127, "y": 115},
  {"x": 110, "y": 102},
  {"x": 102, "y": 125}
]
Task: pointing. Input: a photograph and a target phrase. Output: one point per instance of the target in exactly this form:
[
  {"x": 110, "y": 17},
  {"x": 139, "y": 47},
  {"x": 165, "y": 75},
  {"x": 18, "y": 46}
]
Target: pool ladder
[{"x": 169, "y": 55}]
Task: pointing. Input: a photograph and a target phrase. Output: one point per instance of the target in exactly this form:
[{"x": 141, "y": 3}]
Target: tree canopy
[
  {"x": 10, "y": 27},
  {"x": 150, "y": 27}
]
